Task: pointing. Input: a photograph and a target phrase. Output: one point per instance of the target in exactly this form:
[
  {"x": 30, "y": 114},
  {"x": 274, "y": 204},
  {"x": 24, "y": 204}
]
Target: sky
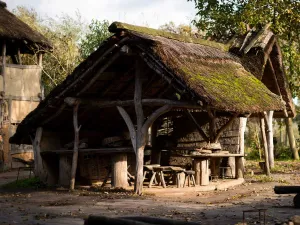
[{"x": 152, "y": 13}]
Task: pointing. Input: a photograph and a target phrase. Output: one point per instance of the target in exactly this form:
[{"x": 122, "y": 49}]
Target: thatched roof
[
  {"x": 14, "y": 30},
  {"x": 195, "y": 70}
]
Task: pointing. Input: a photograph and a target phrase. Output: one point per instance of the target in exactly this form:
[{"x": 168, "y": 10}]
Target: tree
[
  {"x": 225, "y": 18},
  {"x": 97, "y": 33},
  {"x": 64, "y": 32},
  {"x": 182, "y": 29}
]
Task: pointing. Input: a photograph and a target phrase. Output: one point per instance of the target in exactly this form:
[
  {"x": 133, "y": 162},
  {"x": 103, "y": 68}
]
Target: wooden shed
[
  {"x": 148, "y": 96},
  {"x": 20, "y": 84}
]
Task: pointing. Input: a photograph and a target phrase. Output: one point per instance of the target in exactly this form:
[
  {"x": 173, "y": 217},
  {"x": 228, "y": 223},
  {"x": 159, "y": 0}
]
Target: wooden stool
[{"x": 189, "y": 175}]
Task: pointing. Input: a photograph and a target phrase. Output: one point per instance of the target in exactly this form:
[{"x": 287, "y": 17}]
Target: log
[
  {"x": 287, "y": 189},
  {"x": 76, "y": 143},
  {"x": 134, "y": 220},
  {"x": 152, "y": 220},
  {"x": 103, "y": 220},
  {"x": 119, "y": 170}
]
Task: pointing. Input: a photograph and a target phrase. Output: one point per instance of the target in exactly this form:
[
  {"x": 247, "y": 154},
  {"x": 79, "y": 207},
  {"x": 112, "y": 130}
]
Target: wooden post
[
  {"x": 197, "y": 170},
  {"x": 119, "y": 170},
  {"x": 76, "y": 143},
  {"x": 265, "y": 144},
  {"x": 290, "y": 134},
  {"x": 269, "y": 122},
  {"x": 239, "y": 166},
  {"x": 140, "y": 136},
  {"x": 38, "y": 164},
  {"x": 19, "y": 56},
  {"x": 40, "y": 63},
  {"x": 65, "y": 168},
  {"x": 3, "y": 62},
  {"x": 204, "y": 172}
]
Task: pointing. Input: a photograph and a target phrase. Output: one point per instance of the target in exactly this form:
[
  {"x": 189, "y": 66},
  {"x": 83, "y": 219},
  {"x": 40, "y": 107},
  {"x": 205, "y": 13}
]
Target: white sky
[{"x": 152, "y": 13}]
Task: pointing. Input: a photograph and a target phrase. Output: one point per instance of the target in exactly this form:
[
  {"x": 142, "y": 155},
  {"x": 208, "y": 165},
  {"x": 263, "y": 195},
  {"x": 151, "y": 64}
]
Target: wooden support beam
[
  {"x": 199, "y": 128},
  {"x": 268, "y": 118},
  {"x": 224, "y": 127},
  {"x": 103, "y": 68},
  {"x": 3, "y": 62},
  {"x": 130, "y": 126},
  {"x": 99, "y": 60},
  {"x": 56, "y": 114},
  {"x": 76, "y": 143},
  {"x": 212, "y": 124},
  {"x": 265, "y": 144},
  {"x": 149, "y": 102}
]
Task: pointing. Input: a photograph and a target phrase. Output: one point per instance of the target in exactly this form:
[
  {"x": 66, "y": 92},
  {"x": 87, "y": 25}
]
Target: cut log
[
  {"x": 119, "y": 170},
  {"x": 287, "y": 189}
]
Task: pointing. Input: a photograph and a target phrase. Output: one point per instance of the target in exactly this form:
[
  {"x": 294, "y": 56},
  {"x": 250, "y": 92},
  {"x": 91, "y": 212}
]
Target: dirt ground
[{"x": 214, "y": 207}]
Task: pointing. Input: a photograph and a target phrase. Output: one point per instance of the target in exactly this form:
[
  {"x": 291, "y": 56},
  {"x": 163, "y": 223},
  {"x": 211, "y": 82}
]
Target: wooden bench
[{"x": 289, "y": 190}]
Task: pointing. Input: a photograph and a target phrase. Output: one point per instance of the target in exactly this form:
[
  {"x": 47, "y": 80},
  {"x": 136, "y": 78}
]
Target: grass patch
[
  {"x": 29, "y": 183},
  {"x": 265, "y": 179}
]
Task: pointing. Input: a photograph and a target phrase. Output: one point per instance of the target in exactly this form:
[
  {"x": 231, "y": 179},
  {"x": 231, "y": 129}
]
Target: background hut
[{"x": 20, "y": 84}]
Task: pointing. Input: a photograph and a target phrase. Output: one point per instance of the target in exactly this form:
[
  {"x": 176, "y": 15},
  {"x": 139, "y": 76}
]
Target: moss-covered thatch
[
  {"x": 214, "y": 74},
  {"x": 117, "y": 26}
]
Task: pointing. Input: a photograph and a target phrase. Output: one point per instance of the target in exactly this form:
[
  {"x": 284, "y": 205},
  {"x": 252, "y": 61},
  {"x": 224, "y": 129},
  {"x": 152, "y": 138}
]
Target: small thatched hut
[
  {"x": 20, "y": 85},
  {"x": 188, "y": 92}
]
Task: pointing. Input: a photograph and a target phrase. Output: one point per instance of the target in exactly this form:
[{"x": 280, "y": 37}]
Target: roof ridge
[{"x": 116, "y": 27}]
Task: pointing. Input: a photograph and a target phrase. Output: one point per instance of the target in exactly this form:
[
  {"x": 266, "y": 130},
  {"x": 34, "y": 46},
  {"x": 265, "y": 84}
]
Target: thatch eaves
[{"x": 16, "y": 32}]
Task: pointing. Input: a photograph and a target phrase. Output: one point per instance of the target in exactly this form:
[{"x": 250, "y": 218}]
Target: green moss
[
  {"x": 229, "y": 86},
  {"x": 117, "y": 26}
]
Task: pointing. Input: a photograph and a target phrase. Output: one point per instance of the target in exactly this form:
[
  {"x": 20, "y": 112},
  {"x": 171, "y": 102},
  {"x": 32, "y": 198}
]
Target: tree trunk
[
  {"x": 270, "y": 138},
  {"x": 290, "y": 133},
  {"x": 265, "y": 144},
  {"x": 76, "y": 143}
]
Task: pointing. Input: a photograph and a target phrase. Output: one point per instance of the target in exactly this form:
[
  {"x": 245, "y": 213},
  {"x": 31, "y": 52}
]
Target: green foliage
[
  {"x": 283, "y": 152},
  {"x": 30, "y": 183},
  {"x": 252, "y": 154},
  {"x": 223, "y": 18},
  {"x": 64, "y": 32},
  {"x": 97, "y": 33}
]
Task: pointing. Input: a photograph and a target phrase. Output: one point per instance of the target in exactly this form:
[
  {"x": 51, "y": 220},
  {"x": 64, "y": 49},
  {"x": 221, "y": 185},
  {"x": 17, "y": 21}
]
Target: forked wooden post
[{"x": 76, "y": 143}]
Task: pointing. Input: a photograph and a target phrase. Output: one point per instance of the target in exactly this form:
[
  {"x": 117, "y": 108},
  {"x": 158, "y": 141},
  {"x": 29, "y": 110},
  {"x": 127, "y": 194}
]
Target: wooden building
[
  {"x": 188, "y": 92},
  {"x": 20, "y": 83}
]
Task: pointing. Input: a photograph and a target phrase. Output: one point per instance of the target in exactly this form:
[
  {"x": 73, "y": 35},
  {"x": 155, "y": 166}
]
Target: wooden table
[
  {"x": 201, "y": 165},
  {"x": 160, "y": 171}
]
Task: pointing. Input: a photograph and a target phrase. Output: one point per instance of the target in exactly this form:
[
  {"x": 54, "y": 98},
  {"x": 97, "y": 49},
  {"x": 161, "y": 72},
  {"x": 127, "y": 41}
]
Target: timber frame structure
[
  {"x": 139, "y": 80},
  {"x": 20, "y": 83}
]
